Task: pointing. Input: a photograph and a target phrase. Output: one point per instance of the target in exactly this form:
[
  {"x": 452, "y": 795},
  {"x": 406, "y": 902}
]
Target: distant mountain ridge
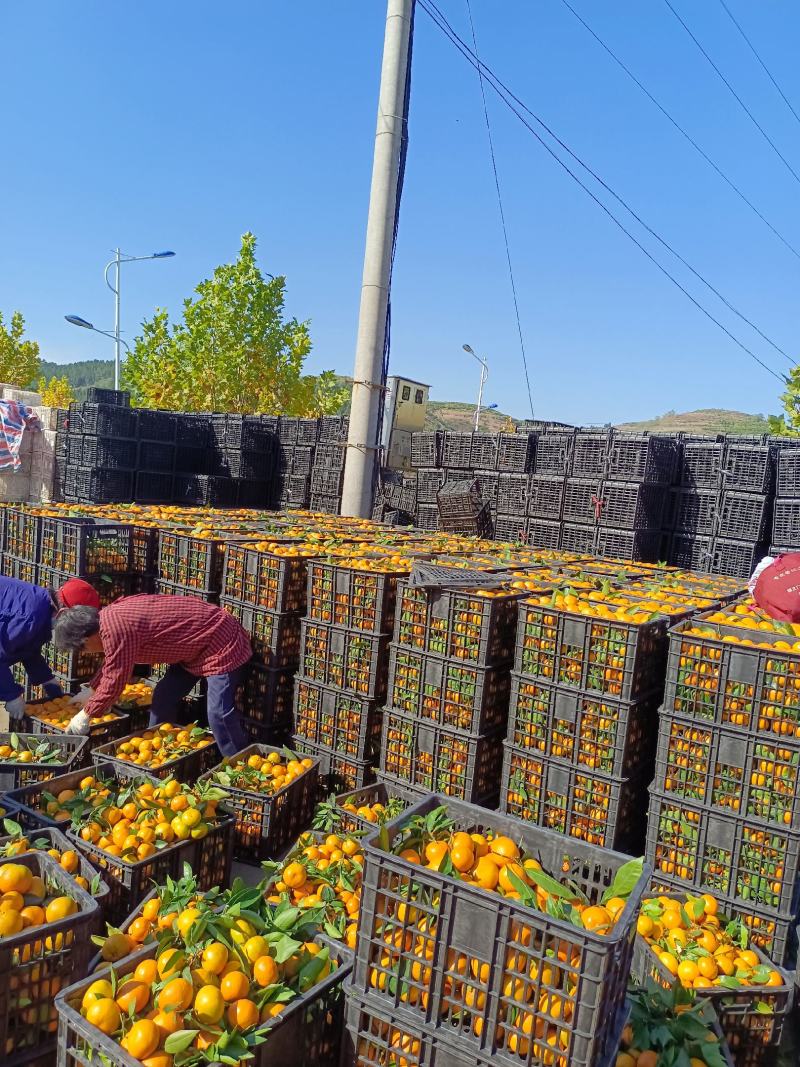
[{"x": 453, "y": 415}]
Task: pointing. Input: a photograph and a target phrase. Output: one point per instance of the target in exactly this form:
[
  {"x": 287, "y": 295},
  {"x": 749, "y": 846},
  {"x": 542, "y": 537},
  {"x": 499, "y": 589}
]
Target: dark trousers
[{"x": 223, "y": 718}]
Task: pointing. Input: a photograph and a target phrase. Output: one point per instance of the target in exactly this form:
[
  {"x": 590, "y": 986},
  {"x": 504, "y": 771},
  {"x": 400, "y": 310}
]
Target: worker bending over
[{"x": 197, "y": 639}]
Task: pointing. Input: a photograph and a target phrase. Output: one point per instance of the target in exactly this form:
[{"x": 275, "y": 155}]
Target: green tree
[
  {"x": 55, "y": 393},
  {"x": 788, "y": 424},
  {"x": 234, "y": 350},
  {"x": 19, "y": 360}
]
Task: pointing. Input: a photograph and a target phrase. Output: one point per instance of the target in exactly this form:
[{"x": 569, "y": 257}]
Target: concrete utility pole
[{"x": 363, "y": 441}]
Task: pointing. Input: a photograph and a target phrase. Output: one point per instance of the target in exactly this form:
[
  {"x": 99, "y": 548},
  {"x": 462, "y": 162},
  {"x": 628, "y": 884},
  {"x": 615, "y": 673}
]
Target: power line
[
  {"x": 738, "y": 98},
  {"x": 764, "y": 66},
  {"x": 680, "y": 129},
  {"x": 439, "y": 19},
  {"x": 502, "y": 212}
]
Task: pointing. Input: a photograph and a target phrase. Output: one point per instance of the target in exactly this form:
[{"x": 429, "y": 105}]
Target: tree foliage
[
  {"x": 55, "y": 393},
  {"x": 19, "y": 360},
  {"x": 234, "y": 350},
  {"x": 788, "y": 424}
]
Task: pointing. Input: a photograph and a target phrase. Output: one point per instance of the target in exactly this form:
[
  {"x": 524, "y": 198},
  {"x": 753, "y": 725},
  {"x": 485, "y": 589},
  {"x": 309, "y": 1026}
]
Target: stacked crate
[
  {"x": 725, "y": 802},
  {"x": 297, "y": 441},
  {"x": 265, "y": 589},
  {"x": 721, "y": 511},
  {"x": 448, "y": 691},
  {"x": 341, "y": 685},
  {"x": 786, "y": 517},
  {"x": 155, "y": 471},
  {"x": 100, "y": 453},
  {"x": 581, "y": 735},
  {"x": 327, "y": 469}
]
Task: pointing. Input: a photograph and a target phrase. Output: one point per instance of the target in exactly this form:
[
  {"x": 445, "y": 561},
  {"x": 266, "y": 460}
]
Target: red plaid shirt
[{"x": 164, "y": 629}]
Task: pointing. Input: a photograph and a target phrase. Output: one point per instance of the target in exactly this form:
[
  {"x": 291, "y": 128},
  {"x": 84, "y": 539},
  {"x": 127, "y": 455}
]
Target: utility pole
[
  {"x": 363, "y": 442},
  {"x": 116, "y": 321}
]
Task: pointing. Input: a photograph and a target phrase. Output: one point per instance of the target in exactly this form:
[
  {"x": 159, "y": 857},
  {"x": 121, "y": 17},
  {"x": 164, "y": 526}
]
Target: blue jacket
[{"x": 26, "y": 616}]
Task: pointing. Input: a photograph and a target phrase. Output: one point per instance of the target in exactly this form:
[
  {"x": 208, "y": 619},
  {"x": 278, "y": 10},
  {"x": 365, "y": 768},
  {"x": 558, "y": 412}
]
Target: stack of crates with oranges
[
  {"x": 344, "y": 659},
  {"x": 449, "y": 684},
  {"x": 725, "y": 803},
  {"x": 587, "y": 683},
  {"x": 264, "y": 587}
]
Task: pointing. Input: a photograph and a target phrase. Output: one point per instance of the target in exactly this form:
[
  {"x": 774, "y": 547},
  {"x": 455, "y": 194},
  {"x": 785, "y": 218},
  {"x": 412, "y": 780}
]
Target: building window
[
  {"x": 406, "y": 392},
  {"x": 418, "y": 396}
]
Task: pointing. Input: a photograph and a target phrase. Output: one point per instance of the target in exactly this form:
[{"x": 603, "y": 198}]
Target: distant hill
[
  {"x": 706, "y": 420},
  {"x": 91, "y": 372},
  {"x": 448, "y": 415}
]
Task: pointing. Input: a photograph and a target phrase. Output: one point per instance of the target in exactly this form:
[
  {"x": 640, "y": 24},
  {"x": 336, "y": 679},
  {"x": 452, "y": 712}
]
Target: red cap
[
  {"x": 777, "y": 590},
  {"x": 77, "y": 593}
]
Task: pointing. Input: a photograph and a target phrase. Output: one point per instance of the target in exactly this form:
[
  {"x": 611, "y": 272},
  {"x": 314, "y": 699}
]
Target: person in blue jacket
[{"x": 26, "y": 621}]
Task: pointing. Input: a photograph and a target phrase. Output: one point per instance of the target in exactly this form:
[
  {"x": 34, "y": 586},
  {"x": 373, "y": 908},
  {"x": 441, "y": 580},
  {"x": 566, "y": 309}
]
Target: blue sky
[{"x": 181, "y": 125}]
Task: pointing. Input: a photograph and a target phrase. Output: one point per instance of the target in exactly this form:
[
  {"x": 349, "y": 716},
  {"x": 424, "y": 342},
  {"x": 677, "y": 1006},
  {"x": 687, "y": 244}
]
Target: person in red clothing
[{"x": 197, "y": 639}]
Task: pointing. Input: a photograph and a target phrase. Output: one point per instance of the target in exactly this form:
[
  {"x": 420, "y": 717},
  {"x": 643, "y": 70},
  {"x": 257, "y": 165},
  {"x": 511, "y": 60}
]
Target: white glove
[
  {"x": 82, "y": 697},
  {"x": 15, "y": 708},
  {"x": 78, "y": 724}
]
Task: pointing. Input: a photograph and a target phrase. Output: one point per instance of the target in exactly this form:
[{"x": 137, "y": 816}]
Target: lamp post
[
  {"x": 76, "y": 320},
  {"x": 116, "y": 262},
  {"x": 484, "y": 376}
]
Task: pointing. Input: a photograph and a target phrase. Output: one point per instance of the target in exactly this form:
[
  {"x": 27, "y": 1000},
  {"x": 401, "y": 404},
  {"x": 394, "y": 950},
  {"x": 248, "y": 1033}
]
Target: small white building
[{"x": 404, "y": 414}]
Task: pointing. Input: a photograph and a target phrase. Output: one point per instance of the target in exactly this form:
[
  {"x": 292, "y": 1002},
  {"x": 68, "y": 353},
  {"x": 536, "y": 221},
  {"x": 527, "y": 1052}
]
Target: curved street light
[
  {"x": 484, "y": 376},
  {"x": 117, "y": 261},
  {"x": 76, "y": 320}
]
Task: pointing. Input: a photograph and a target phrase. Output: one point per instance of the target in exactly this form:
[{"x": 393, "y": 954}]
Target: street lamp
[
  {"x": 76, "y": 320},
  {"x": 116, "y": 262},
  {"x": 484, "y": 376}
]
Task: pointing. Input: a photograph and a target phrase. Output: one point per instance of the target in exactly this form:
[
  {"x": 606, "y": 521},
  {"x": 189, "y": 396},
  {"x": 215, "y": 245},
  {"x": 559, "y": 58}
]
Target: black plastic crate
[
  {"x": 643, "y": 458},
  {"x": 164, "y": 588},
  {"x": 786, "y": 522},
  {"x": 487, "y": 485},
  {"x": 452, "y": 762},
  {"x": 353, "y": 597},
  {"x": 694, "y": 511},
  {"x": 156, "y": 456},
  {"x": 510, "y": 528},
  {"x": 456, "y": 474},
  {"x": 241, "y": 464},
  {"x": 95, "y": 395},
  {"x": 32, "y": 968},
  {"x": 512, "y": 494},
  {"x": 191, "y": 460},
  {"x": 330, "y": 505},
  {"x": 690, "y": 552},
  {"x": 515, "y": 452},
  {"x": 429, "y": 482},
  {"x": 62, "y": 421},
  {"x": 342, "y": 723},
  {"x": 622, "y": 505},
  {"x": 190, "y": 561},
  {"x": 554, "y": 452},
  {"x": 15, "y": 773},
  {"x": 337, "y": 772},
  {"x": 426, "y": 449},
  {"x": 326, "y": 483},
  {"x": 185, "y": 768},
  {"x": 483, "y": 451},
  {"x": 294, "y": 490},
  {"x": 590, "y": 653},
  {"x": 748, "y": 467},
  {"x": 600, "y": 809},
  {"x": 591, "y": 453},
  {"x": 451, "y": 921},
  {"x": 459, "y": 500},
  {"x": 253, "y": 493},
  {"x": 108, "y": 586},
  {"x": 638, "y": 545},
  {"x": 717, "y": 852},
  {"x": 294, "y": 459},
  {"x": 264, "y": 579},
  {"x": 307, "y": 432},
  {"x": 200, "y": 489},
  {"x": 67, "y": 664},
  {"x": 265, "y": 696},
  {"x": 287, "y": 429},
  {"x": 275, "y": 637},
  {"x": 349, "y": 660},
  {"x": 788, "y": 483},
  {"x": 448, "y": 693},
  {"x": 381, "y": 792},
  {"x": 545, "y": 496},
  {"x": 153, "y": 487},
  {"x": 702, "y": 463},
  {"x": 193, "y": 429},
  {"x": 330, "y": 456},
  {"x": 456, "y": 449},
  {"x": 106, "y": 420},
  {"x": 266, "y": 823},
  {"x": 594, "y": 733},
  {"x": 333, "y": 428},
  {"x": 540, "y": 533},
  {"x": 428, "y": 517},
  {"x": 21, "y": 569},
  {"x": 743, "y": 516},
  {"x": 100, "y": 485},
  {"x": 86, "y": 546},
  {"x": 736, "y": 558},
  {"x": 111, "y": 452},
  {"x": 23, "y": 532},
  {"x": 580, "y": 539},
  {"x": 156, "y": 425}
]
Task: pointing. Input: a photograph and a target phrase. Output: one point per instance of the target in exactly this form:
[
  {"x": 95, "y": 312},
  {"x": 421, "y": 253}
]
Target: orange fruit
[
  {"x": 147, "y": 972},
  {"x": 215, "y": 956},
  {"x": 234, "y": 986},
  {"x": 209, "y": 1006},
  {"x": 243, "y": 1013},
  {"x": 133, "y": 995},
  {"x": 597, "y": 919},
  {"x": 176, "y": 995},
  {"x": 104, "y": 1013},
  {"x": 265, "y": 971},
  {"x": 142, "y": 1039}
]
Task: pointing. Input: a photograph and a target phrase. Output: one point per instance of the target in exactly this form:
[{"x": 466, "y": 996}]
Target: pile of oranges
[
  {"x": 214, "y": 977},
  {"x": 164, "y": 743},
  {"x": 135, "y": 695},
  {"x": 57, "y": 713},
  {"x": 669, "y": 1026},
  {"x": 27, "y": 901},
  {"x": 261, "y": 774},
  {"x": 322, "y": 872},
  {"x": 31, "y": 748},
  {"x": 68, "y": 859},
  {"x": 696, "y": 945}
]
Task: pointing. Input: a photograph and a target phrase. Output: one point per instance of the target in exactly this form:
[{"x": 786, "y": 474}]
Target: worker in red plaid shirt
[{"x": 197, "y": 639}]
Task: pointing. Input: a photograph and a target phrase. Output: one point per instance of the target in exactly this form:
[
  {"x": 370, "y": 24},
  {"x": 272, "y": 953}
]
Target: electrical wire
[
  {"x": 502, "y": 212},
  {"x": 764, "y": 66},
  {"x": 737, "y": 98},
  {"x": 439, "y": 19},
  {"x": 681, "y": 130}
]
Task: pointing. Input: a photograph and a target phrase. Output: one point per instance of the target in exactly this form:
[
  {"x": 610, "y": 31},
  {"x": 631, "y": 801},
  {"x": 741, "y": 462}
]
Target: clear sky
[{"x": 182, "y": 124}]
